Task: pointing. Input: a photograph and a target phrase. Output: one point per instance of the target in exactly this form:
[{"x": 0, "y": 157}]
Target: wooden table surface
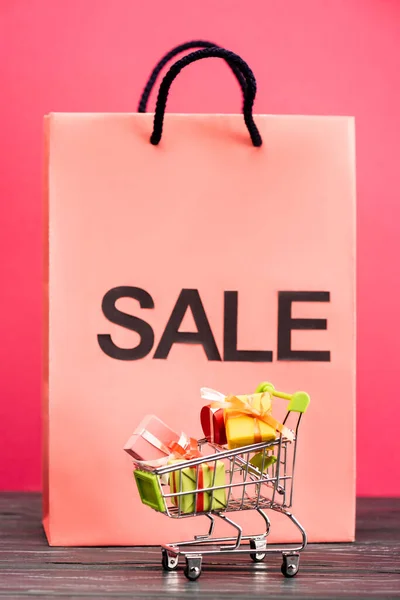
[{"x": 370, "y": 568}]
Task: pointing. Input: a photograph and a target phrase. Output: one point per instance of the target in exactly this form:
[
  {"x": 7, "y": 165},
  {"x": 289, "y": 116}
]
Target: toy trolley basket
[{"x": 257, "y": 477}]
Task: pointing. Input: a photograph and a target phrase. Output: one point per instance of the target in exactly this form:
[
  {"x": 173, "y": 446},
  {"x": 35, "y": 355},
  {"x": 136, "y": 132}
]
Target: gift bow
[
  {"x": 187, "y": 451},
  {"x": 243, "y": 406},
  {"x": 186, "y": 448}
]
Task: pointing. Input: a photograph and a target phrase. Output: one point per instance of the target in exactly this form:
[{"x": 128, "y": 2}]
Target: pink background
[{"x": 310, "y": 57}]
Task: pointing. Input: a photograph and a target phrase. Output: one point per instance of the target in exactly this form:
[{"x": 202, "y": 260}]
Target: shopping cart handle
[{"x": 298, "y": 402}]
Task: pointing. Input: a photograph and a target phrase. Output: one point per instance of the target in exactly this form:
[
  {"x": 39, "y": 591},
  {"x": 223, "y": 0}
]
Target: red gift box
[{"x": 213, "y": 424}]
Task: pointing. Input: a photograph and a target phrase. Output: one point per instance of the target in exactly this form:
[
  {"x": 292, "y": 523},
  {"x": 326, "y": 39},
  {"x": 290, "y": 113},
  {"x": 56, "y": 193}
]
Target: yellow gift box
[{"x": 244, "y": 422}]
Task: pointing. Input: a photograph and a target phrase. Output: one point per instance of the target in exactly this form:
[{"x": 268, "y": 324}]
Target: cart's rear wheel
[
  {"x": 169, "y": 562},
  {"x": 290, "y": 564},
  {"x": 256, "y": 545},
  {"x": 193, "y": 568}
]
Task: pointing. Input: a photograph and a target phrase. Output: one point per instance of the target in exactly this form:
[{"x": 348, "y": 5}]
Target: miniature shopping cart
[{"x": 258, "y": 477}]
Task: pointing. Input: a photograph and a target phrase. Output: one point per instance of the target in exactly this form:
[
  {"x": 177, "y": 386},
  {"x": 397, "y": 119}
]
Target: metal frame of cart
[{"x": 258, "y": 477}]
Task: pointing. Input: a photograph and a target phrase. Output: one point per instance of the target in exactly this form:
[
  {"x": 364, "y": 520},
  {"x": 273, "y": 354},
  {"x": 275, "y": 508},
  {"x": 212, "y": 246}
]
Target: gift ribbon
[
  {"x": 243, "y": 407},
  {"x": 212, "y": 415},
  {"x": 200, "y": 483},
  {"x": 153, "y": 440},
  {"x": 211, "y": 395},
  {"x": 171, "y": 450}
]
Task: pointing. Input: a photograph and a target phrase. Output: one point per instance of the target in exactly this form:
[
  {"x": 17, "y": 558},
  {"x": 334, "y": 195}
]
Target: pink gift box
[{"x": 151, "y": 440}]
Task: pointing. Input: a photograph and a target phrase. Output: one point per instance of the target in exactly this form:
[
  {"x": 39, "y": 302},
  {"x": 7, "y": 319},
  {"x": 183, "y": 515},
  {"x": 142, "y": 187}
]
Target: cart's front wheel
[
  {"x": 169, "y": 561},
  {"x": 290, "y": 564},
  {"x": 193, "y": 568}
]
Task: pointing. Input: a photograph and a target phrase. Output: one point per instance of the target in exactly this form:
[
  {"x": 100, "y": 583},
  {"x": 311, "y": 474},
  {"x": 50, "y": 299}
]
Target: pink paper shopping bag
[{"x": 203, "y": 260}]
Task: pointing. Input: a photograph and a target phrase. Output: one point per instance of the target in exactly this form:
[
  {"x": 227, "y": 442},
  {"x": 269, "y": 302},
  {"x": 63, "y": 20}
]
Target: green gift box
[
  {"x": 261, "y": 460},
  {"x": 209, "y": 475}
]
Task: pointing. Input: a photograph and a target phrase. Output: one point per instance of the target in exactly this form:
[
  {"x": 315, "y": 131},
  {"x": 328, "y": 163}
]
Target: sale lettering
[{"x": 190, "y": 300}]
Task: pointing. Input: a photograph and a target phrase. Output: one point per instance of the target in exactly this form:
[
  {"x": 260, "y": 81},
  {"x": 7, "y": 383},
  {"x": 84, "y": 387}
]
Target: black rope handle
[
  {"x": 234, "y": 59},
  {"x": 144, "y": 98}
]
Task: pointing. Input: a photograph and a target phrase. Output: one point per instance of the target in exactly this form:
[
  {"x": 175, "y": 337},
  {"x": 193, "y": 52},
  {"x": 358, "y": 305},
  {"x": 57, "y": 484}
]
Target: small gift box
[
  {"x": 212, "y": 419},
  {"x": 245, "y": 420},
  {"x": 263, "y": 461},
  {"x": 205, "y": 475},
  {"x": 151, "y": 440},
  {"x": 213, "y": 424},
  {"x": 248, "y": 418}
]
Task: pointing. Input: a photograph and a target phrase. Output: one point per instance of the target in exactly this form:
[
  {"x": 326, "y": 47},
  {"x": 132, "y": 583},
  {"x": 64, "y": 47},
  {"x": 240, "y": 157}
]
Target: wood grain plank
[{"x": 370, "y": 568}]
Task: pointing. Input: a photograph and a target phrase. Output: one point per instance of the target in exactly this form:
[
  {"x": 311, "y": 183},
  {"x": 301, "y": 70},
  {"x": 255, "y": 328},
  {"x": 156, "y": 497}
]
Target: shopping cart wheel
[
  {"x": 290, "y": 564},
  {"x": 193, "y": 567},
  {"x": 258, "y": 545},
  {"x": 169, "y": 562}
]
